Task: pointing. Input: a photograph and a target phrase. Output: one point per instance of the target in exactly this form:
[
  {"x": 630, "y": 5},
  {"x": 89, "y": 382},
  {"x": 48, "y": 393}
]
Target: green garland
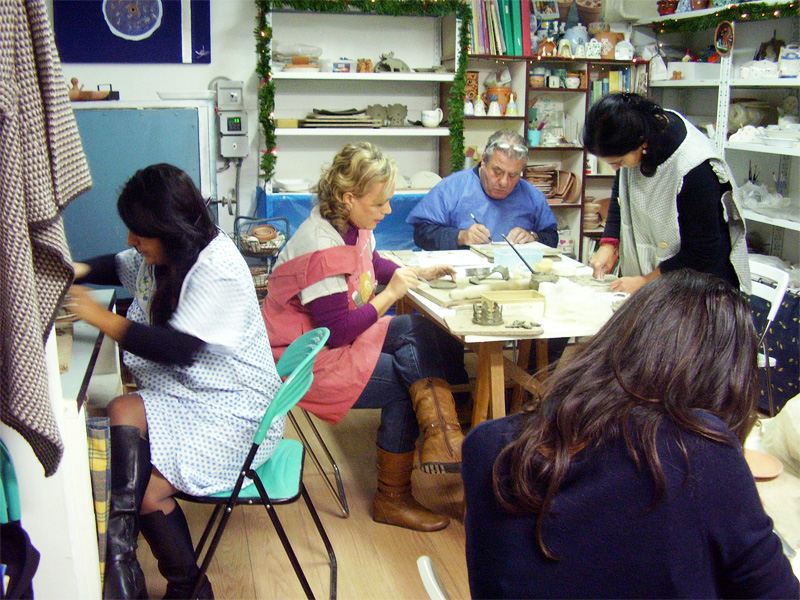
[
  {"x": 747, "y": 11},
  {"x": 394, "y": 8}
]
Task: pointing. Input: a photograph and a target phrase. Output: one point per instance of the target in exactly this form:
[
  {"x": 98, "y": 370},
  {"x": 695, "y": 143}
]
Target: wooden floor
[{"x": 375, "y": 560}]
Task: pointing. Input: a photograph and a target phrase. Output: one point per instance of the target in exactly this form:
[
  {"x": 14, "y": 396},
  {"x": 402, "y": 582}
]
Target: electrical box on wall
[
  {"x": 233, "y": 146},
  {"x": 230, "y": 95},
  {"x": 233, "y": 123}
]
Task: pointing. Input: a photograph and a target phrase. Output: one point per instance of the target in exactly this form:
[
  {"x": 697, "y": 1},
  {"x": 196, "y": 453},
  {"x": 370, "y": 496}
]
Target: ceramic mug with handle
[{"x": 432, "y": 118}]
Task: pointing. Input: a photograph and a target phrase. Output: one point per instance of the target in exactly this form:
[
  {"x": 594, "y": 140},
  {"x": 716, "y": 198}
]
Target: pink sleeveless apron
[{"x": 340, "y": 374}]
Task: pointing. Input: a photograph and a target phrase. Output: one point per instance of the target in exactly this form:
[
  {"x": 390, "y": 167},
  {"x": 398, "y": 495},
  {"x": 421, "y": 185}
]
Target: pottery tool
[
  {"x": 525, "y": 262},
  {"x": 474, "y": 218}
]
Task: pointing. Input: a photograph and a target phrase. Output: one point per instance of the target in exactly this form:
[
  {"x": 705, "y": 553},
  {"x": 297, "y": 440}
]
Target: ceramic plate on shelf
[{"x": 424, "y": 180}]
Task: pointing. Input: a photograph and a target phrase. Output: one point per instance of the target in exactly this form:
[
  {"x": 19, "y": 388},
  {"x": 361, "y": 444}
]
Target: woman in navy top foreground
[{"x": 628, "y": 480}]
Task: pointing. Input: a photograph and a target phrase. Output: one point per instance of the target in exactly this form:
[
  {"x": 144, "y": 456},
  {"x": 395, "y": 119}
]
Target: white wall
[{"x": 232, "y": 56}]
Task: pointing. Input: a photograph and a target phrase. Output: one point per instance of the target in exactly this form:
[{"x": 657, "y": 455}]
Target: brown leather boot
[
  {"x": 394, "y": 504},
  {"x": 436, "y": 412}
]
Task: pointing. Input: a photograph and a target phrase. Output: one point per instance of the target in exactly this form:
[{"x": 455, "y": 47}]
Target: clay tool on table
[
  {"x": 525, "y": 262},
  {"x": 474, "y": 218}
]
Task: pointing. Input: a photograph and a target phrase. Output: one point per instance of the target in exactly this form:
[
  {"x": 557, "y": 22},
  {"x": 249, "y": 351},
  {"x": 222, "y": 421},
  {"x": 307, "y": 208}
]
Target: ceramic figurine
[
  {"x": 564, "y": 48},
  {"x": 480, "y": 108},
  {"x": 580, "y": 51},
  {"x": 494, "y": 108},
  {"x": 469, "y": 109},
  {"x": 624, "y": 50},
  {"x": 397, "y": 114},
  {"x": 511, "y": 108},
  {"x": 548, "y": 48}
]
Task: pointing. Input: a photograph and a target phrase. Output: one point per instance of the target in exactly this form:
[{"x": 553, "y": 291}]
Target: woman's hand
[
  {"x": 603, "y": 260},
  {"x": 403, "y": 279},
  {"x": 436, "y": 271},
  {"x": 81, "y": 270},
  {"x": 628, "y": 284},
  {"x": 80, "y": 302}
]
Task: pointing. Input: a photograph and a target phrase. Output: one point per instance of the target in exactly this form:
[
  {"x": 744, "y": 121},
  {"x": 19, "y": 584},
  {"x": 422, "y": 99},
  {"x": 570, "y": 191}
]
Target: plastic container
[
  {"x": 507, "y": 257},
  {"x": 527, "y": 304}
]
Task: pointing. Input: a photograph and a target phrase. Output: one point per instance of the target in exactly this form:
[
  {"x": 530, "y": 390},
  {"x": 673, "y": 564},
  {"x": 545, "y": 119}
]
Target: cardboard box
[{"x": 517, "y": 304}]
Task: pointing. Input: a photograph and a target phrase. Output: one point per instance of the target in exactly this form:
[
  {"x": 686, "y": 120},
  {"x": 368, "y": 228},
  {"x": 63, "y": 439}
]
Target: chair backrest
[
  {"x": 299, "y": 361},
  {"x": 430, "y": 579},
  {"x": 763, "y": 275}
]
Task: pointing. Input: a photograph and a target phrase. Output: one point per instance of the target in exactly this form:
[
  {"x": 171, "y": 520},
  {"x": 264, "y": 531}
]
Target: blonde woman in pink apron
[{"x": 326, "y": 276}]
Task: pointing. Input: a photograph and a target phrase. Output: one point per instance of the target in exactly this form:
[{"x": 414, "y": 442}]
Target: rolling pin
[{"x": 475, "y": 291}]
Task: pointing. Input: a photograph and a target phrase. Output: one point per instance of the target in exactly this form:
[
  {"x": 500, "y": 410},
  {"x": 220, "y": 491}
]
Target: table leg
[
  {"x": 489, "y": 396},
  {"x": 523, "y": 357}
]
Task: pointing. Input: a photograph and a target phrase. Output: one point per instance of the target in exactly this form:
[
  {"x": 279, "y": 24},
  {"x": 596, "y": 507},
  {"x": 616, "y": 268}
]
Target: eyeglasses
[{"x": 508, "y": 146}]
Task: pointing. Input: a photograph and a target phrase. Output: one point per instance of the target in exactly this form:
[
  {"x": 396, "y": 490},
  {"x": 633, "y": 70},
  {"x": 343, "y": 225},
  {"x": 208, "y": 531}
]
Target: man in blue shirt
[{"x": 479, "y": 205}]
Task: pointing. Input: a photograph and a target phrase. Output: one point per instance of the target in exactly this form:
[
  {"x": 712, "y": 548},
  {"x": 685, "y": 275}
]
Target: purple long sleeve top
[{"x": 334, "y": 312}]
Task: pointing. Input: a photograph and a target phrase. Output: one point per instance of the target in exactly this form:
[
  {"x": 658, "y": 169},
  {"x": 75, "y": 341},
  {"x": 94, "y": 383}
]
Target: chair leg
[
  {"x": 338, "y": 489},
  {"x": 273, "y": 515}
]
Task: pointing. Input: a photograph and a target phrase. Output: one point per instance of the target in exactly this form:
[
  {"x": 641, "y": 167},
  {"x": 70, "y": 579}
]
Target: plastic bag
[{"x": 758, "y": 197}]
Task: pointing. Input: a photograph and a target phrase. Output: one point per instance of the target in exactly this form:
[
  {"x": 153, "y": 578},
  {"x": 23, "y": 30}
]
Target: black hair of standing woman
[
  {"x": 685, "y": 341},
  {"x": 620, "y": 123},
  {"x": 162, "y": 202}
]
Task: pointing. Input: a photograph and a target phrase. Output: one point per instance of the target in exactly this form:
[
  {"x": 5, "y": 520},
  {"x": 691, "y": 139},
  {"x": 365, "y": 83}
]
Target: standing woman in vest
[
  {"x": 672, "y": 203},
  {"x": 195, "y": 342},
  {"x": 326, "y": 276}
]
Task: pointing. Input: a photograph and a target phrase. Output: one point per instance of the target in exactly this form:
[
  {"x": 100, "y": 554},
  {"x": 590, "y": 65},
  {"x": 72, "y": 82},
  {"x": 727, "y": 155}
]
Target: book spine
[
  {"x": 516, "y": 25},
  {"x": 525, "y": 6}
]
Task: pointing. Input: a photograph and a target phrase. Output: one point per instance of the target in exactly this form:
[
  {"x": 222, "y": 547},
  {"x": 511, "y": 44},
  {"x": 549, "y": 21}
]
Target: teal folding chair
[
  {"x": 286, "y": 364},
  {"x": 280, "y": 479}
]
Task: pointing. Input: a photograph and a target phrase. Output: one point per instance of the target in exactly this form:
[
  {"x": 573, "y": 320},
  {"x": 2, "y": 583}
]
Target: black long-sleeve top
[
  {"x": 705, "y": 239},
  {"x": 158, "y": 343}
]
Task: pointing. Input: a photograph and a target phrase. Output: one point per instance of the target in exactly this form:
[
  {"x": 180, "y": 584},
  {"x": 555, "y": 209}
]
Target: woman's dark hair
[
  {"x": 620, "y": 123},
  {"x": 162, "y": 202},
  {"x": 684, "y": 341}
]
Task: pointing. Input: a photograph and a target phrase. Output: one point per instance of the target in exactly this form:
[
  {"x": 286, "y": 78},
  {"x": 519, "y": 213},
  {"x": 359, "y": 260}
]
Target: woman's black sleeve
[
  {"x": 102, "y": 271},
  {"x": 161, "y": 344},
  {"x": 613, "y": 220}
]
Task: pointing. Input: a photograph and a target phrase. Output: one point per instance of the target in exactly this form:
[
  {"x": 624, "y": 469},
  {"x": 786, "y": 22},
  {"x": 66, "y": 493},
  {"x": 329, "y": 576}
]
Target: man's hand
[
  {"x": 519, "y": 236},
  {"x": 476, "y": 234},
  {"x": 603, "y": 260}
]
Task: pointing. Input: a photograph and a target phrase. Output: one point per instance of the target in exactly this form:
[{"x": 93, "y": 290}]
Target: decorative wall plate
[{"x": 723, "y": 38}]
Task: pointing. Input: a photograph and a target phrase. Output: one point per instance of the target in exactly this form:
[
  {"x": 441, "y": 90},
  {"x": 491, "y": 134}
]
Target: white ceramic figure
[
  {"x": 469, "y": 108},
  {"x": 494, "y": 108},
  {"x": 564, "y": 48},
  {"x": 624, "y": 50},
  {"x": 580, "y": 51},
  {"x": 480, "y": 108}
]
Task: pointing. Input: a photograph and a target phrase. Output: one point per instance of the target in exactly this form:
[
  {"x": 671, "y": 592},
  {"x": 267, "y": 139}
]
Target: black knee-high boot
[
  {"x": 171, "y": 544},
  {"x": 130, "y": 473}
]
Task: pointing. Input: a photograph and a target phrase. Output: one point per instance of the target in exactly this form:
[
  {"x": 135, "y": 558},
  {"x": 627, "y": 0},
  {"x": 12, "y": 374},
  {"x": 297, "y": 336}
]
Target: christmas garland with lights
[
  {"x": 394, "y": 8},
  {"x": 747, "y": 11}
]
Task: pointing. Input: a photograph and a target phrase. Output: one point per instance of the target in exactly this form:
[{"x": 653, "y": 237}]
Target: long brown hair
[{"x": 684, "y": 341}]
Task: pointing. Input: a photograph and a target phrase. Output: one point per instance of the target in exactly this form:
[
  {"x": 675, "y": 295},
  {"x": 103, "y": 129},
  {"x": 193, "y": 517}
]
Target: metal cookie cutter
[
  {"x": 484, "y": 313},
  {"x": 502, "y": 269}
]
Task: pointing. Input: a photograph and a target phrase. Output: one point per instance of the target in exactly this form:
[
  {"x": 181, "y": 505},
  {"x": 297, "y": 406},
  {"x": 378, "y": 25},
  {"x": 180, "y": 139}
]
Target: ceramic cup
[
  {"x": 573, "y": 82},
  {"x": 553, "y": 81},
  {"x": 432, "y": 118}
]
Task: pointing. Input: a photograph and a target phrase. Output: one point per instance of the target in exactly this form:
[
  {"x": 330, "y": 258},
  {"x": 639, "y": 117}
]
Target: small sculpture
[
  {"x": 511, "y": 107},
  {"x": 548, "y": 47},
  {"x": 364, "y": 65},
  {"x": 565, "y": 48},
  {"x": 485, "y": 314},
  {"x": 594, "y": 49},
  {"x": 469, "y": 108},
  {"x": 378, "y": 112},
  {"x": 390, "y": 64},
  {"x": 397, "y": 114}
]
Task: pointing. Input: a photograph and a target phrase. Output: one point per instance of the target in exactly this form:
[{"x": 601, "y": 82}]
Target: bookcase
[{"x": 562, "y": 111}]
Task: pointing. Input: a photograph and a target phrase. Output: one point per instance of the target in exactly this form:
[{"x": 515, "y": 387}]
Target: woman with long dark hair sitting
[
  {"x": 628, "y": 480},
  {"x": 196, "y": 344}
]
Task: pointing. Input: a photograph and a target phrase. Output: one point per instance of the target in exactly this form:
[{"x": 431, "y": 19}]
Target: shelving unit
[
  {"x": 707, "y": 102},
  {"x": 572, "y": 102},
  {"x": 418, "y": 41}
]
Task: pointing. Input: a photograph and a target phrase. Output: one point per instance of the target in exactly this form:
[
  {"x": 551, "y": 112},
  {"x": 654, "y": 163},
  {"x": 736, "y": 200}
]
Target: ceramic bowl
[{"x": 263, "y": 233}]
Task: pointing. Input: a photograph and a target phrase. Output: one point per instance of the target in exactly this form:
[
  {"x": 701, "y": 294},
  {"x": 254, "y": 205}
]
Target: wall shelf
[
  {"x": 387, "y": 77},
  {"x": 363, "y": 132}
]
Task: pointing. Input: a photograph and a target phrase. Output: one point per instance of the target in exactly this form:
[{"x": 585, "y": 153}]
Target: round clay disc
[{"x": 442, "y": 284}]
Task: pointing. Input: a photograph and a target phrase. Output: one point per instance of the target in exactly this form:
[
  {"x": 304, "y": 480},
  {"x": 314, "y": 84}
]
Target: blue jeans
[{"x": 414, "y": 349}]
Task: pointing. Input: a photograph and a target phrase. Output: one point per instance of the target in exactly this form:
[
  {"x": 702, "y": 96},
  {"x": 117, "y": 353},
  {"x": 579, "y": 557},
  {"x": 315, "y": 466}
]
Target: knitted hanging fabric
[{"x": 42, "y": 168}]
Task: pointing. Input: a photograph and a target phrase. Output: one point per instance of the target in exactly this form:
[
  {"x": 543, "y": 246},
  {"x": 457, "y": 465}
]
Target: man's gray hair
[{"x": 517, "y": 147}]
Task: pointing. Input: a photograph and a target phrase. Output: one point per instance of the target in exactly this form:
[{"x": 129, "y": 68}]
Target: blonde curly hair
[{"x": 355, "y": 169}]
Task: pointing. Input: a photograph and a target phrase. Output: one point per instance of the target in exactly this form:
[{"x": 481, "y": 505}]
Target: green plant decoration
[
  {"x": 747, "y": 11},
  {"x": 396, "y": 8}
]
